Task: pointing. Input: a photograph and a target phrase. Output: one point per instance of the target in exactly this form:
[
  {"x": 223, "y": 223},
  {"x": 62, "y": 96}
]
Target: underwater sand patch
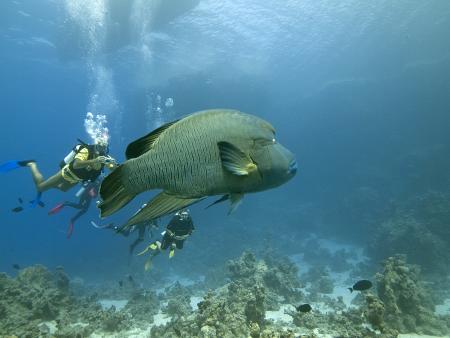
[
  {"x": 119, "y": 304},
  {"x": 132, "y": 333},
  {"x": 443, "y": 309},
  {"x": 280, "y": 315},
  {"x": 49, "y": 327},
  {"x": 161, "y": 319},
  {"x": 194, "y": 302},
  {"x": 413, "y": 335}
]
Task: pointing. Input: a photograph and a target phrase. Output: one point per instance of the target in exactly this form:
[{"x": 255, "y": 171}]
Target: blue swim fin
[
  {"x": 8, "y": 166},
  {"x": 11, "y": 165},
  {"x": 37, "y": 200}
]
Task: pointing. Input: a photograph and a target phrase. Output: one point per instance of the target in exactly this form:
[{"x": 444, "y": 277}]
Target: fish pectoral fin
[
  {"x": 161, "y": 205},
  {"x": 145, "y": 143},
  {"x": 235, "y": 160},
  {"x": 236, "y": 200},
  {"x": 222, "y": 199}
]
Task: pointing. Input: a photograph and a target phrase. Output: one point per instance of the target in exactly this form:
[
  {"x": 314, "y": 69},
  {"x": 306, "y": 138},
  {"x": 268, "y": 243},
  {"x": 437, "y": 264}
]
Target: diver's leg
[
  {"x": 139, "y": 239},
  {"x": 65, "y": 186},
  {"x": 156, "y": 249},
  {"x": 141, "y": 234},
  {"x": 72, "y": 221},
  {"x": 134, "y": 244},
  {"x": 166, "y": 241},
  {"x": 179, "y": 244},
  {"x": 78, "y": 215},
  {"x": 72, "y": 205},
  {"x": 39, "y": 182},
  {"x": 38, "y": 178},
  {"x": 53, "y": 182}
]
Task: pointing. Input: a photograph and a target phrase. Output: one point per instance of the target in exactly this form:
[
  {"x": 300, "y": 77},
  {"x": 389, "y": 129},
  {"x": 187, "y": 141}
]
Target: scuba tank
[
  {"x": 70, "y": 156},
  {"x": 81, "y": 191}
]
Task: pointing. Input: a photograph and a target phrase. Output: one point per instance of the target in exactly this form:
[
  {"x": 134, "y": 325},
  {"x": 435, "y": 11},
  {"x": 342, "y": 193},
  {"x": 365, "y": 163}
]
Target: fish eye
[{"x": 274, "y": 141}]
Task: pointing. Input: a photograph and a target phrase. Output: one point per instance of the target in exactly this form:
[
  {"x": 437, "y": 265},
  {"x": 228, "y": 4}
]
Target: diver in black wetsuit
[{"x": 177, "y": 231}]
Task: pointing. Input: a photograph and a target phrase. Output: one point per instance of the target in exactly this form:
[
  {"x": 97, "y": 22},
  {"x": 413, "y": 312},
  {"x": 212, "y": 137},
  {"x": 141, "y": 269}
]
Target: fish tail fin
[{"x": 113, "y": 193}]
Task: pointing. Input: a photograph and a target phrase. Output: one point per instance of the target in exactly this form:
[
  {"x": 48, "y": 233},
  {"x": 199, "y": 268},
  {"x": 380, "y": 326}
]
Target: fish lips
[{"x": 293, "y": 167}]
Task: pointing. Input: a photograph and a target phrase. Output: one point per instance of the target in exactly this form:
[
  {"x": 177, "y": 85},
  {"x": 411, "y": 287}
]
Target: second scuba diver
[
  {"x": 86, "y": 194},
  {"x": 140, "y": 227},
  {"x": 177, "y": 231}
]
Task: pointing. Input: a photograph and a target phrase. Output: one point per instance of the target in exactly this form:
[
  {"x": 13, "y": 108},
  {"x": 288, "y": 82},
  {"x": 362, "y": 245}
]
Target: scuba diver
[
  {"x": 84, "y": 163},
  {"x": 140, "y": 227},
  {"x": 177, "y": 231},
  {"x": 86, "y": 194}
]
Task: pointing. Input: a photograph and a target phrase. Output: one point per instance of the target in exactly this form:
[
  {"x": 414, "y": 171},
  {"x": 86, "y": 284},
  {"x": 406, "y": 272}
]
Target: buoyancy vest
[{"x": 84, "y": 173}]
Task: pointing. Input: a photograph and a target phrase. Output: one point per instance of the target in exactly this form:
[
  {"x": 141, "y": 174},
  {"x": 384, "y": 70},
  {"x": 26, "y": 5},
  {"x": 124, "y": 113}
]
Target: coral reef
[
  {"x": 238, "y": 308},
  {"x": 315, "y": 254},
  {"x": 422, "y": 247},
  {"x": 178, "y": 300},
  {"x": 408, "y": 306},
  {"x": 343, "y": 324},
  {"x": 424, "y": 219},
  {"x": 320, "y": 280},
  {"x": 142, "y": 307},
  {"x": 31, "y": 298},
  {"x": 282, "y": 277},
  {"x": 233, "y": 311},
  {"x": 278, "y": 275},
  {"x": 256, "y": 301},
  {"x": 39, "y": 302},
  {"x": 374, "y": 313}
]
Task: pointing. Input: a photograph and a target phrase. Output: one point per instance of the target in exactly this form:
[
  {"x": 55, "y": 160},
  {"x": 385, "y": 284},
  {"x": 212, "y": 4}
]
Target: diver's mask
[
  {"x": 101, "y": 149},
  {"x": 183, "y": 214}
]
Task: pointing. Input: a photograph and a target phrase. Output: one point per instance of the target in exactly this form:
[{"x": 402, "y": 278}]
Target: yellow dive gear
[{"x": 171, "y": 252}]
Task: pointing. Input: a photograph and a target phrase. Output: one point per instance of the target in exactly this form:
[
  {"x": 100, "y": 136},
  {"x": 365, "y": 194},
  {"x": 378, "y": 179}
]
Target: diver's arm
[{"x": 79, "y": 164}]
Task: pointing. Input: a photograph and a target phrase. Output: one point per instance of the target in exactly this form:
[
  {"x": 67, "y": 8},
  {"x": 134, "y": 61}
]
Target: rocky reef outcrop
[
  {"x": 238, "y": 308},
  {"x": 424, "y": 221},
  {"x": 233, "y": 311},
  {"x": 39, "y": 302},
  {"x": 277, "y": 274},
  {"x": 407, "y": 304},
  {"x": 34, "y": 296}
]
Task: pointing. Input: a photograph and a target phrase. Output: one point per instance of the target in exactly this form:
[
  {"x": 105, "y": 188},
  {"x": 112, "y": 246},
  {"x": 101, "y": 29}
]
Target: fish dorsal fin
[
  {"x": 235, "y": 160},
  {"x": 145, "y": 143}
]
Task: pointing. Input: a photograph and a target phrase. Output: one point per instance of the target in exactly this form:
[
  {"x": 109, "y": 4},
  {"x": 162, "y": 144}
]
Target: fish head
[{"x": 276, "y": 164}]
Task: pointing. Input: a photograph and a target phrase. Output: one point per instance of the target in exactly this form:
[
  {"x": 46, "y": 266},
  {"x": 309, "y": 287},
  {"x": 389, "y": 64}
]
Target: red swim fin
[{"x": 57, "y": 208}]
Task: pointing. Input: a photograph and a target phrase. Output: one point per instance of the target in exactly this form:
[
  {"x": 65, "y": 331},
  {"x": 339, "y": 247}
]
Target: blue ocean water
[{"x": 358, "y": 91}]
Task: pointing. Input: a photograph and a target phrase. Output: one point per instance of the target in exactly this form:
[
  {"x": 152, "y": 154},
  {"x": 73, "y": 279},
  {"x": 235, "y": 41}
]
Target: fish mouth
[{"x": 292, "y": 169}]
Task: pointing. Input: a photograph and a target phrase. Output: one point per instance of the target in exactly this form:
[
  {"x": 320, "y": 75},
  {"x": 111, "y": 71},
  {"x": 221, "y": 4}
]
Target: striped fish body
[
  {"x": 213, "y": 152},
  {"x": 185, "y": 159}
]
